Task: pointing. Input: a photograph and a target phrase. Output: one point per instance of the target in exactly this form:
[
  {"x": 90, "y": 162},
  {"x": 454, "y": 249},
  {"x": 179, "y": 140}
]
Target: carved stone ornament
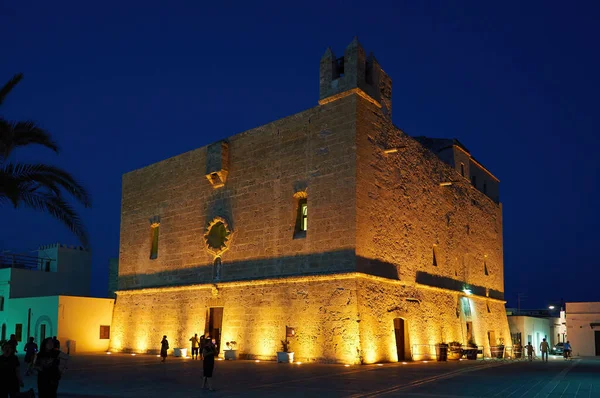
[{"x": 218, "y": 236}]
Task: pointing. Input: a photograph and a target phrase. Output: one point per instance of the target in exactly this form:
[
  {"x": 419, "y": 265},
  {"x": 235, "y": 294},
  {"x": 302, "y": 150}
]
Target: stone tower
[{"x": 355, "y": 73}]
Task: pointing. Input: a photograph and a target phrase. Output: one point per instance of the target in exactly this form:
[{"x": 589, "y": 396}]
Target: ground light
[
  {"x": 258, "y": 360},
  {"x": 379, "y": 364},
  {"x": 298, "y": 363},
  {"x": 220, "y": 359},
  {"x": 404, "y": 363},
  {"x": 347, "y": 365},
  {"x": 108, "y": 353},
  {"x": 133, "y": 354}
]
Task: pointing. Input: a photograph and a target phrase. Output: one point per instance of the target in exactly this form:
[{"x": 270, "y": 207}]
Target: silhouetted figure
[
  {"x": 195, "y": 346},
  {"x": 208, "y": 353},
  {"x": 31, "y": 350},
  {"x": 13, "y": 341},
  {"x": 544, "y": 347},
  {"x": 529, "y": 349},
  {"x": 164, "y": 346},
  {"x": 48, "y": 366},
  {"x": 10, "y": 374}
]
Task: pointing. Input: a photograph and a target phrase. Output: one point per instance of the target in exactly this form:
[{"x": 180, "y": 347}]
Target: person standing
[
  {"x": 48, "y": 366},
  {"x": 208, "y": 353},
  {"x": 544, "y": 347},
  {"x": 30, "y": 350},
  {"x": 10, "y": 374},
  {"x": 529, "y": 349},
  {"x": 195, "y": 346},
  {"x": 164, "y": 346},
  {"x": 13, "y": 341},
  {"x": 567, "y": 350}
]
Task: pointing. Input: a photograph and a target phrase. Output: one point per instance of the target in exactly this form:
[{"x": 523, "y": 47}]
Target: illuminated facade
[{"x": 331, "y": 221}]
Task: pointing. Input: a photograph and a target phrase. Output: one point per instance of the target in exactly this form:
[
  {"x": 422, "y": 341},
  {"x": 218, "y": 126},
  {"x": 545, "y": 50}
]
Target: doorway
[
  {"x": 469, "y": 331},
  {"x": 492, "y": 338},
  {"x": 214, "y": 323},
  {"x": 597, "y": 337},
  {"x": 42, "y": 332},
  {"x": 399, "y": 332}
]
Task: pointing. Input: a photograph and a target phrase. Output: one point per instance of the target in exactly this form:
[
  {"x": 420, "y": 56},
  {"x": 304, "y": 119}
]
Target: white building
[
  {"x": 44, "y": 296},
  {"x": 583, "y": 328}
]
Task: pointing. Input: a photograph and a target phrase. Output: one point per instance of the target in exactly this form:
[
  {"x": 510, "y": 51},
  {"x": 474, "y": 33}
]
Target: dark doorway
[
  {"x": 597, "y": 336},
  {"x": 400, "y": 342},
  {"x": 469, "y": 331},
  {"x": 42, "y": 332},
  {"x": 214, "y": 323}
]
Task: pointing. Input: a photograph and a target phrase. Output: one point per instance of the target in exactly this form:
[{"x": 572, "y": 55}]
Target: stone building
[{"x": 331, "y": 221}]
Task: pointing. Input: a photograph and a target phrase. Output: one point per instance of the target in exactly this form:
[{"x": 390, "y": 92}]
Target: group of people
[
  {"x": 203, "y": 346},
  {"x": 545, "y": 349},
  {"x": 47, "y": 363}
]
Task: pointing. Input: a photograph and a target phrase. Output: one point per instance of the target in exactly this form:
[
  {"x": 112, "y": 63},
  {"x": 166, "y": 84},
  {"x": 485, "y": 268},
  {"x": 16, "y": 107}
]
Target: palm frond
[
  {"x": 19, "y": 134},
  {"x": 59, "y": 209},
  {"x": 43, "y": 177},
  {"x": 7, "y": 88}
]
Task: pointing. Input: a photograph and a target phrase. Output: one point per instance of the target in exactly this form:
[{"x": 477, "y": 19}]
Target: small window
[
  {"x": 485, "y": 268},
  {"x": 434, "y": 257},
  {"x": 19, "y": 331},
  {"x": 217, "y": 268},
  {"x": 104, "y": 332},
  {"x": 488, "y": 308},
  {"x": 154, "y": 241},
  {"x": 301, "y": 219},
  {"x": 474, "y": 181},
  {"x": 462, "y": 169},
  {"x": 1, "y": 303}
]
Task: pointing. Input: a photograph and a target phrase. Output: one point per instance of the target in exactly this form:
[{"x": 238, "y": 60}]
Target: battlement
[
  {"x": 355, "y": 73},
  {"x": 61, "y": 246}
]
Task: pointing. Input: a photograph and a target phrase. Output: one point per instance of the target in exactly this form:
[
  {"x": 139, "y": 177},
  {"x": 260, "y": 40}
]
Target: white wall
[
  {"x": 537, "y": 328},
  {"x": 580, "y": 333}
]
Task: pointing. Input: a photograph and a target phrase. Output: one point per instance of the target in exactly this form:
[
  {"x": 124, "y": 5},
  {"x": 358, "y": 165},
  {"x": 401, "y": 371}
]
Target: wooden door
[{"x": 399, "y": 333}]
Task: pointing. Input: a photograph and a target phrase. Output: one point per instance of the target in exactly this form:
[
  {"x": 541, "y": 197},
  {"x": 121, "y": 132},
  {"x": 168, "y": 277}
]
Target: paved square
[{"x": 121, "y": 375}]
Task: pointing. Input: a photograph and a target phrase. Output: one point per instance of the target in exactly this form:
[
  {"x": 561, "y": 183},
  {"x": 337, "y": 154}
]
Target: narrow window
[
  {"x": 474, "y": 181},
  {"x": 154, "y": 241},
  {"x": 301, "y": 218},
  {"x": 462, "y": 169},
  {"x": 485, "y": 269},
  {"x": 217, "y": 269},
  {"x": 485, "y": 188},
  {"x": 42, "y": 331},
  {"x": 434, "y": 257},
  {"x": 488, "y": 308},
  {"x": 19, "y": 331},
  {"x": 1, "y": 303},
  {"x": 104, "y": 332}
]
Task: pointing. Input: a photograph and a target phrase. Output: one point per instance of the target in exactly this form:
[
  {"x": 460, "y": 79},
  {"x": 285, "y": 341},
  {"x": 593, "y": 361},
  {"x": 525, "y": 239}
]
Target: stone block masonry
[{"x": 400, "y": 250}]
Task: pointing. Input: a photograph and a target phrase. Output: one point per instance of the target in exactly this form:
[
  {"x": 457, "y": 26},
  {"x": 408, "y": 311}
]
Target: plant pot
[
  {"x": 497, "y": 351},
  {"x": 231, "y": 355},
  {"x": 441, "y": 351},
  {"x": 455, "y": 354},
  {"x": 180, "y": 352},
  {"x": 285, "y": 357},
  {"x": 471, "y": 353}
]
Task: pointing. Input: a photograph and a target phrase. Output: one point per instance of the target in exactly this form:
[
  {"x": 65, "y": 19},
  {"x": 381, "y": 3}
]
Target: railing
[{"x": 22, "y": 261}]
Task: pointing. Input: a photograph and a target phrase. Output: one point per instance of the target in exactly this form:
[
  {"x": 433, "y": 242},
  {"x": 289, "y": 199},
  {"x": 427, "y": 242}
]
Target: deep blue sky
[{"x": 125, "y": 84}]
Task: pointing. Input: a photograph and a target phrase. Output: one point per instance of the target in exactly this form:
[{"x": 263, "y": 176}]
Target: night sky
[{"x": 121, "y": 85}]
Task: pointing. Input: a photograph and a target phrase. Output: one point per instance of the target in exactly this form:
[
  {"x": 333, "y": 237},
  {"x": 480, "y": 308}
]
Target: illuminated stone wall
[
  {"x": 380, "y": 206},
  {"x": 323, "y": 310},
  {"x": 403, "y": 212},
  {"x": 311, "y": 151}
]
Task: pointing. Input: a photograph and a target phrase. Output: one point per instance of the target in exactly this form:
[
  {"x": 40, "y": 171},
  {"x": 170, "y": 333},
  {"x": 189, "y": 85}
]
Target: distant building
[
  {"x": 43, "y": 296},
  {"x": 583, "y": 328},
  {"x": 370, "y": 244},
  {"x": 533, "y": 325}
]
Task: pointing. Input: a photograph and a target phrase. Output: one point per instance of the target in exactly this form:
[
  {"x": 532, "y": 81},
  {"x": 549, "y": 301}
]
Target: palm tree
[{"x": 37, "y": 186}]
